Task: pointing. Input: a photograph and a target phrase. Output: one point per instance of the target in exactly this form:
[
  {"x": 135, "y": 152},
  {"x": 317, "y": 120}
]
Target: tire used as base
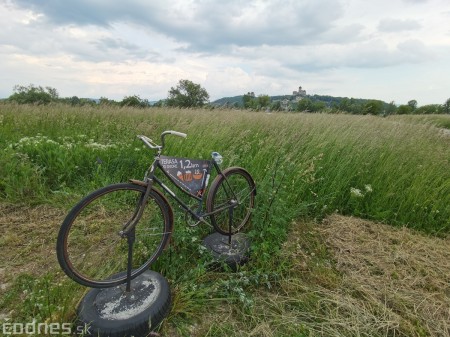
[
  {"x": 234, "y": 255},
  {"x": 112, "y": 312}
]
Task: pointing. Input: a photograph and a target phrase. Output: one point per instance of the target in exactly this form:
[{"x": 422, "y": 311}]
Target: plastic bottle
[{"x": 217, "y": 157}]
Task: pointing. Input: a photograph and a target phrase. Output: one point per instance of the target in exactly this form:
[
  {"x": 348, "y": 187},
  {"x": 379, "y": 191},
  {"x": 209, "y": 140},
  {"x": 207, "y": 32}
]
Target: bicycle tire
[
  {"x": 89, "y": 247},
  {"x": 220, "y": 194}
]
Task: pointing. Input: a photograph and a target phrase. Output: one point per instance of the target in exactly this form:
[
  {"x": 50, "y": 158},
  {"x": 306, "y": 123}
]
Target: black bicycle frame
[{"x": 200, "y": 217}]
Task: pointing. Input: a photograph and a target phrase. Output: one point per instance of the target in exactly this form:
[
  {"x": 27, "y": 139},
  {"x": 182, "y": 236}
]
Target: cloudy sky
[{"x": 394, "y": 50}]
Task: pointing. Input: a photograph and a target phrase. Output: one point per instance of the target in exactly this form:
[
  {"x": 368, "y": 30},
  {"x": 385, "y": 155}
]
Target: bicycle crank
[{"x": 193, "y": 221}]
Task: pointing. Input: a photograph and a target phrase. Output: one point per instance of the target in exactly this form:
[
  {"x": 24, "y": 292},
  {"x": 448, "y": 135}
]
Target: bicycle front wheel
[
  {"x": 89, "y": 246},
  {"x": 234, "y": 186}
]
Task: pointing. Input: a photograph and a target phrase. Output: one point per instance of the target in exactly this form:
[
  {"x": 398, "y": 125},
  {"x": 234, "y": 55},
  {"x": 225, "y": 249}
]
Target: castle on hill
[{"x": 298, "y": 95}]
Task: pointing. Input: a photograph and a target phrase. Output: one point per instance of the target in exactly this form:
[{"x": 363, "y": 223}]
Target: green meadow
[{"x": 393, "y": 170}]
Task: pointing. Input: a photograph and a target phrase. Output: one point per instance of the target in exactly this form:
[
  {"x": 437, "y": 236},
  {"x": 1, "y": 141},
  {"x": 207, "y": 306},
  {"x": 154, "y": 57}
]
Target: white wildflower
[
  {"x": 355, "y": 192},
  {"x": 99, "y": 146},
  {"x": 368, "y": 188},
  {"x": 25, "y": 140}
]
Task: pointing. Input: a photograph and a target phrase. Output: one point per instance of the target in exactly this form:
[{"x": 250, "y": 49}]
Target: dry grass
[
  {"x": 399, "y": 277},
  {"x": 28, "y": 239},
  {"x": 27, "y": 243},
  {"x": 353, "y": 277}
]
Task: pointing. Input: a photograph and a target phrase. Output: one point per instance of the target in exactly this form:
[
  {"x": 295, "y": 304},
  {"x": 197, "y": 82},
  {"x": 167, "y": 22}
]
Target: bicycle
[{"x": 135, "y": 218}]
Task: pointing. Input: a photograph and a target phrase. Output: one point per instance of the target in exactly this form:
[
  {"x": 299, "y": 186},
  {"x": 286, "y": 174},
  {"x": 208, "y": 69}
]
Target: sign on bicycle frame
[{"x": 190, "y": 174}]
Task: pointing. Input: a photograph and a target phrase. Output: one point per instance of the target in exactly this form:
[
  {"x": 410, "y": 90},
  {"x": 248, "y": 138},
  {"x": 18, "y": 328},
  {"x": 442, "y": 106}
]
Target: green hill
[
  {"x": 229, "y": 101},
  {"x": 330, "y": 101}
]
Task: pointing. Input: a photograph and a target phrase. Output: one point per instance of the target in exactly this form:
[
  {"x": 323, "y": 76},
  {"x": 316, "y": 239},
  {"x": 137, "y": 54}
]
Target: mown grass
[{"x": 305, "y": 166}]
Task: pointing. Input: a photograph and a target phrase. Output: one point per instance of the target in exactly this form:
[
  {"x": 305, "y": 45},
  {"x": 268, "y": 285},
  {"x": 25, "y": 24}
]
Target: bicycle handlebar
[
  {"x": 151, "y": 144},
  {"x": 175, "y": 133}
]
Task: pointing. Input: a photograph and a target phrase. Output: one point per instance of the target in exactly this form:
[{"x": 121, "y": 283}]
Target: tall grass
[{"x": 305, "y": 166}]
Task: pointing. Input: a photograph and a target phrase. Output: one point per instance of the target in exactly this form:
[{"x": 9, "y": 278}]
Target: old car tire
[
  {"x": 234, "y": 255},
  {"x": 113, "y": 312}
]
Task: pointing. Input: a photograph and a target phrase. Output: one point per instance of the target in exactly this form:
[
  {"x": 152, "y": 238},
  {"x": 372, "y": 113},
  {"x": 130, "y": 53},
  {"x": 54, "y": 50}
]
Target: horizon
[{"x": 152, "y": 101}]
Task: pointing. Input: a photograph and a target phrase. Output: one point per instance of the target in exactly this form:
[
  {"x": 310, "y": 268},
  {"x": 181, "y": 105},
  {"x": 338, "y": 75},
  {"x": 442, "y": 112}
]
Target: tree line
[
  {"x": 318, "y": 103},
  {"x": 187, "y": 94}
]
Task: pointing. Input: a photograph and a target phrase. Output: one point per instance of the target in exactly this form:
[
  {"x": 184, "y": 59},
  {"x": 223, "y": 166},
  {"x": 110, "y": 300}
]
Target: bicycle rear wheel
[
  {"x": 89, "y": 246},
  {"x": 234, "y": 185}
]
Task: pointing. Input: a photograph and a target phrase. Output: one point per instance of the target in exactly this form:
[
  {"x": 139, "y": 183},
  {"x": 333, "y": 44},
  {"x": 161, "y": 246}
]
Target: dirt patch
[
  {"x": 28, "y": 240},
  {"x": 402, "y": 275}
]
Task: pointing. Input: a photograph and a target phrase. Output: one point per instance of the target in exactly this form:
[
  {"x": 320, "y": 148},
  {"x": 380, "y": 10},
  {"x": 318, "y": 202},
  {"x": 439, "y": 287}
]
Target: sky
[{"x": 392, "y": 50}]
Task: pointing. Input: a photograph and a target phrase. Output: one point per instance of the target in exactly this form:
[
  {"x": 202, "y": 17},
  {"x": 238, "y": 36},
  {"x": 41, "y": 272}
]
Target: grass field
[{"x": 393, "y": 170}]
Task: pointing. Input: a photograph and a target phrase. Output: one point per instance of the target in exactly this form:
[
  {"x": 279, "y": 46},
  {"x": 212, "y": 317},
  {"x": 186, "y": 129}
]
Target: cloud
[
  {"x": 290, "y": 61},
  {"x": 206, "y": 25},
  {"x": 415, "y": 1},
  {"x": 83, "y": 12},
  {"x": 397, "y": 25}
]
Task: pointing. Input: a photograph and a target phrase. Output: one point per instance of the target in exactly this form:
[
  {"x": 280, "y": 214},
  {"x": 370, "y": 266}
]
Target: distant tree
[
  {"x": 391, "y": 109},
  {"x": 318, "y": 106},
  {"x": 134, "y": 101},
  {"x": 106, "y": 101},
  {"x": 75, "y": 100},
  {"x": 305, "y": 105},
  {"x": 159, "y": 103},
  {"x": 276, "y": 106},
  {"x": 344, "y": 105},
  {"x": 429, "y": 109},
  {"x": 87, "y": 101},
  {"x": 249, "y": 101},
  {"x": 52, "y": 92},
  {"x": 351, "y": 105},
  {"x": 404, "y": 110},
  {"x": 187, "y": 94},
  {"x": 373, "y": 107},
  {"x": 263, "y": 101},
  {"x": 446, "y": 106},
  {"x": 413, "y": 104},
  {"x": 33, "y": 94}
]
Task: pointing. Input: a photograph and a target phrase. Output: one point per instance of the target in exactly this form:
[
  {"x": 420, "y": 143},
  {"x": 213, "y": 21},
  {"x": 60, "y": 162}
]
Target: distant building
[
  {"x": 285, "y": 104},
  {"x": 300, "y": 93}
]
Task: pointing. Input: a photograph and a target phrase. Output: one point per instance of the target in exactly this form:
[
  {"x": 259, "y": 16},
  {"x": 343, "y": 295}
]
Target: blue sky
[{"x": 394, "y": 50}]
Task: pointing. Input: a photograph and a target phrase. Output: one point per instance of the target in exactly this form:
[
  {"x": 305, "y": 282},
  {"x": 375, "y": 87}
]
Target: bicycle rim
[
  {"x": 93, "y": 250},
  {"x": 238, "y": 186}
]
